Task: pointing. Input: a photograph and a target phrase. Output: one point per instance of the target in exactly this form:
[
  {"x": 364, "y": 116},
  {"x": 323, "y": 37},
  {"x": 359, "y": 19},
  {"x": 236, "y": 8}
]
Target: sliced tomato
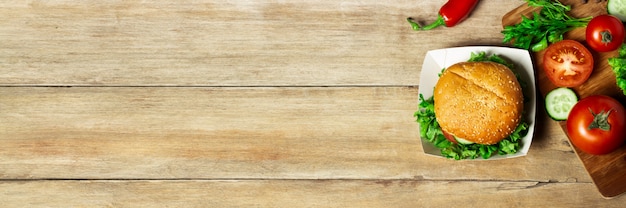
[
  {"x": 449, "y": 136},
  {"x": 567, "y": 63}
]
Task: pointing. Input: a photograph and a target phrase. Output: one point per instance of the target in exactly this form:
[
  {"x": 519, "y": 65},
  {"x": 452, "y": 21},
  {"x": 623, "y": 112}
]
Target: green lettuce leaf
[{"x": 618, "y": 64}]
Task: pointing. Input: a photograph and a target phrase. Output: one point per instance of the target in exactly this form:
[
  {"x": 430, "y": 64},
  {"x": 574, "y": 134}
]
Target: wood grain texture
[
  {"x": 300, "y": 193},
  {"x": 246, "y": 104},
  {"x": 226, "y": 43},
  {"x": 301, "y": 133},
  {"x": 607, "y": 171}
]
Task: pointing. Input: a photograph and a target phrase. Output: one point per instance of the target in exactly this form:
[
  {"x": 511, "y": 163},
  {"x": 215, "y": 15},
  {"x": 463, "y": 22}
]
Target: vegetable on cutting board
[
  {"x": 450, "y": 14},
  {"x": 544, "y": 27},
  {"x": 559, "y": 102},
  {"x": 618, "y": 64},
  {"x": 597, "y": 124},
  {"x": 617, "y": 8},
  {"x": 605, "y": 33},
  {"x": 567, "y": 63}
]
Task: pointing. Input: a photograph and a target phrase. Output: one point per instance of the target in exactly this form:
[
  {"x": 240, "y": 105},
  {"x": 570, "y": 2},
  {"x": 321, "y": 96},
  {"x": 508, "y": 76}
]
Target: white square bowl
[{"x": 436, "y": 60}]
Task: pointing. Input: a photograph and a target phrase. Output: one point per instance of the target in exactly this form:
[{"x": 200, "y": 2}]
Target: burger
[
  {"x": 477, "y": 109},
  {"x": 479, "y": 102}
]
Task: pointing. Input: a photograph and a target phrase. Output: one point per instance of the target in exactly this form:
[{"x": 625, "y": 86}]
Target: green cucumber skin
[
  {"x": 611, "y": 4},
  {"x": 557, "y": 93}
]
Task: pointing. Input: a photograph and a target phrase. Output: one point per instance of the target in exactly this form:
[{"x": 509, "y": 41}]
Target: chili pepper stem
[{"x": 416, "y": 26}]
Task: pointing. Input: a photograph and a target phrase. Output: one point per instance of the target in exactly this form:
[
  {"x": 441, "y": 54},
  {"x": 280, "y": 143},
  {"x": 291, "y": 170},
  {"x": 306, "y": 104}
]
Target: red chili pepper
[{"x": 450, "y": 14}]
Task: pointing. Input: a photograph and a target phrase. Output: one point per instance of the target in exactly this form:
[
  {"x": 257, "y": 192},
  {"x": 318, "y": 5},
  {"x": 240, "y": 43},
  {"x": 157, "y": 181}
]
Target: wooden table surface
[{"x": 247, "y": 104}]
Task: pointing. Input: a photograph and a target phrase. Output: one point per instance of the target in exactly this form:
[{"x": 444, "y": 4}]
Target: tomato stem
[
  {"x": 606, "y": 37},
  {"x": 600, "y": 120}
]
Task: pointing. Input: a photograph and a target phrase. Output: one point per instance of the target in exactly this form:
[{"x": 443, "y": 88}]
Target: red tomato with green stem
[
  {"x": 567, "y": 63},
  {"x": 597, "y": 124},
  {"x": 605, "y": 33}
]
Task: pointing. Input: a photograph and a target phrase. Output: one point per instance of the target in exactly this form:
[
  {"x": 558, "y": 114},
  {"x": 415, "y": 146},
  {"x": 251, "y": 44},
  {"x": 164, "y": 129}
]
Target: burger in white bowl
[{"x": 477, "y": 109}]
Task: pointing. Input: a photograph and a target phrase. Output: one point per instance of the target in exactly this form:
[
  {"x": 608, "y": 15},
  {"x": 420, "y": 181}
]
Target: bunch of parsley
[
  {"x": 546, "y": 26},
  {"x": 431, "y": 131}
]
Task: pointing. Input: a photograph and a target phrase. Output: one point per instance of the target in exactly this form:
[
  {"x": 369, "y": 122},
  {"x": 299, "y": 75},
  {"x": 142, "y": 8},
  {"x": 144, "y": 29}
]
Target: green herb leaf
[{"x": 547, "y": 25}]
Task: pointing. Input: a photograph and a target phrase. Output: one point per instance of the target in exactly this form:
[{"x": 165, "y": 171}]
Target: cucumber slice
[
  {"x": 559, "y": 103},
  {"x": 617, "y": 8},
  {"x": 463, "y": 141}
]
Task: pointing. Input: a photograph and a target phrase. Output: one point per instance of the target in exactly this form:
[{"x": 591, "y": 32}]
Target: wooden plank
[
  {"x": 607, "y": 171},
  {"x": 227, "y": 43},
  {"x": 267, "y": 132},
  {"x": 300, "y": 193},
  {"x": 254, "y": 129}
]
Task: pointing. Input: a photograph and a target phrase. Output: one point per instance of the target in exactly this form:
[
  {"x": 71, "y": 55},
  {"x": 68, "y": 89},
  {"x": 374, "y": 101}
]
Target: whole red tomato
[
  {"x": 567, "y": 63},
  {"x": 597, "y": 124},
  {"x": 605, "y": 33}
]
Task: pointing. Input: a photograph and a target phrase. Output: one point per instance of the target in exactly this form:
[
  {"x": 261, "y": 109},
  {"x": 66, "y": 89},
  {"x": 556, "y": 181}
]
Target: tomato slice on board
[{"x": 567, "y": 63}]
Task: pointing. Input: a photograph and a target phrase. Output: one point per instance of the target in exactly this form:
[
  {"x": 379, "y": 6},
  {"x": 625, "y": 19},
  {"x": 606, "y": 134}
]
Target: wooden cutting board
[{"x": 608, "y": 172}]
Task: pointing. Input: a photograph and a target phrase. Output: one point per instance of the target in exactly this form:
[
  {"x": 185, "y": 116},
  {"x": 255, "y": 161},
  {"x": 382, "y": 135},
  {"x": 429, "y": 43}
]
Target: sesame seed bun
[{"x": 480, "y": 102}]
